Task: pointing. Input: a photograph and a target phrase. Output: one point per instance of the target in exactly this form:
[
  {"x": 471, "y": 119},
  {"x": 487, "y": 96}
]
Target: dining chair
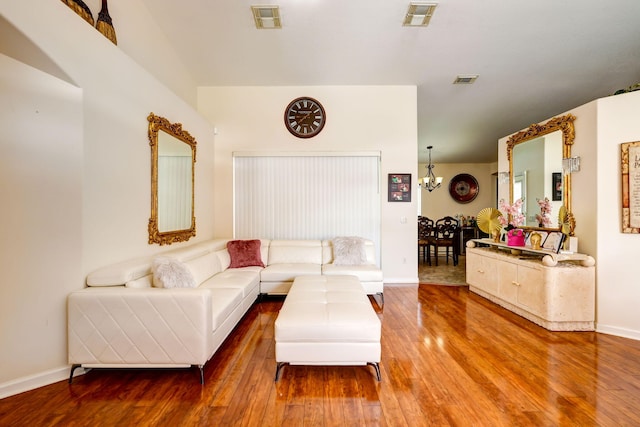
[
  {"x": 426, "y": 230},
  {"x": 446, "y": 235}
]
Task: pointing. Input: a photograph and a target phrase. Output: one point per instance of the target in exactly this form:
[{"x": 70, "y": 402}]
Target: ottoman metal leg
[
  {"x": 279, "y": 369},
  {"x": 201, "y": 367},
  {"x": 376, "y": 366}
]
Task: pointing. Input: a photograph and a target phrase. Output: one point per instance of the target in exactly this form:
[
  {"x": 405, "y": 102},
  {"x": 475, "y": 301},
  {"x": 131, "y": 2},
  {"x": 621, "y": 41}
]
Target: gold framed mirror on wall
[
  {"x": 535, "y": 158},
  {"x": 173, "y": 158}
]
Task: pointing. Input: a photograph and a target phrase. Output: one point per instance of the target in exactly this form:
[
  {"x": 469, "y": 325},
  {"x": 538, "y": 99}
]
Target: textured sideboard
[{"x": 558, "y": 298}]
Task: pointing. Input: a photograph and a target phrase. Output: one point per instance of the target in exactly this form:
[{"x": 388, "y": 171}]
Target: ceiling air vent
[
  {"x": 465, "y": 80},
  {"x": 419, "y": 14},
  {"x": 266, "y": 17}
]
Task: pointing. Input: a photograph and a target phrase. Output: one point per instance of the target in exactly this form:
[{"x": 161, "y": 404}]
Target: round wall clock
[
  {"x": 463, "y": 188},
  {"x": 304, "y": 117}
]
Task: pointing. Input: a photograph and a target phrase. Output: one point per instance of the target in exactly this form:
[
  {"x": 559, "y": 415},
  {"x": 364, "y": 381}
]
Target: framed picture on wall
[
  {"x": 630, "y": 173},
  {"x": 399, "y": 187},
  {"x": 556, "y": 182}
]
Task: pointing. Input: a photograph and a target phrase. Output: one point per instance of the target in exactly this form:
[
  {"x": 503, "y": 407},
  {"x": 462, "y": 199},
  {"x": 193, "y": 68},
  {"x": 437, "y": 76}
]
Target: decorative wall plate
[{"x": 463, "y": 188}]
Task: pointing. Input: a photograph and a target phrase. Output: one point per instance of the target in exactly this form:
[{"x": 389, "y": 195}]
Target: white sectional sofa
[
  {"x": 288, "y": 259},
  {"x": 123, "y": 319}
]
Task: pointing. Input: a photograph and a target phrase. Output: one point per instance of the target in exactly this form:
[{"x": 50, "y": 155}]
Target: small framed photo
[
  {"x": 543, "y": 236},
  {"x": 554, "y": 241},
  {"x": 556, "y": 191},
  {"x": 399, "y": 187}
]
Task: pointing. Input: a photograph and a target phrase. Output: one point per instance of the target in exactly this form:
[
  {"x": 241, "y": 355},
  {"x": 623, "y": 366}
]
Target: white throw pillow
[
  {"x": 171, "y": 273},
  {"x": 349, "y": 251}
]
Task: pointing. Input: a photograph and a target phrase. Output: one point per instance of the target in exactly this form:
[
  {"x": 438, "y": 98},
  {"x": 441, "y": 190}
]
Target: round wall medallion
[
  {"x": 463, "y": 188},
  {"x": 304, "y": 117}
]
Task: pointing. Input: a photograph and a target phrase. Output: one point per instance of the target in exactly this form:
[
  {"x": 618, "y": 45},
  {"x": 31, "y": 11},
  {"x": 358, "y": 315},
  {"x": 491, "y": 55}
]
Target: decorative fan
[
  {"x": 488, "y": 220},
  {"x": 566, "y": 221}
]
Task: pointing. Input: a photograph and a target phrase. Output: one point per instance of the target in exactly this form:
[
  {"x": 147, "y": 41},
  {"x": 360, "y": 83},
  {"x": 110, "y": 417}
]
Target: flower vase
[{"x": 515, "y": 237}]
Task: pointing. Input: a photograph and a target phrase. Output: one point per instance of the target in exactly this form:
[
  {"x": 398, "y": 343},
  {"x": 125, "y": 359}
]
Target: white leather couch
[
  {"x": 288, "y": 259},
  {"x": 121, "y": 320}
]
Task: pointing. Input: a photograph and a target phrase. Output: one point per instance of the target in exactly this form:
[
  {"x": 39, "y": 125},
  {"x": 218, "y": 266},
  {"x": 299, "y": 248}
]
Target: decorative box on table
[{"x": 515, "y": 237}]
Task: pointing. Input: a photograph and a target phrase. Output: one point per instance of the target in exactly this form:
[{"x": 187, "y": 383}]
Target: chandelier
[{"x": 430, "y": 182}]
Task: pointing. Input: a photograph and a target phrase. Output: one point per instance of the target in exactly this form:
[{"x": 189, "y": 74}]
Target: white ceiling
[{"x": 535, "y": 59}]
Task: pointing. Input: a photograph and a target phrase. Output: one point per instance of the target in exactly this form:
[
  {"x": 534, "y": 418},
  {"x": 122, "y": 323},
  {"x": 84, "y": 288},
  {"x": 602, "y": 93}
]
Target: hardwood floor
[{"x": 449, "y": 357}]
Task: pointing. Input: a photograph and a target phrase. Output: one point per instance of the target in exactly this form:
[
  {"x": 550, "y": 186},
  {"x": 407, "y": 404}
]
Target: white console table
[{"x": 555, "y": 291}]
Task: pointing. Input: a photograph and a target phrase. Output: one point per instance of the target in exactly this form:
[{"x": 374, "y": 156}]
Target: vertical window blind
[{"x": 307, "y": 196}]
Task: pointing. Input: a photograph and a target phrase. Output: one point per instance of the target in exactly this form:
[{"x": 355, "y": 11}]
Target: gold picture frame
[
  {"x": 630, "y": 172},
  {"x": 164, "y": 137}
]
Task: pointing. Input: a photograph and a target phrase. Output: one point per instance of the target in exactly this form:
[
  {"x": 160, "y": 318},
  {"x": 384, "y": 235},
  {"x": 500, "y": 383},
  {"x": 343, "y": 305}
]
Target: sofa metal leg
[
  {"x": 73, "y": 368},
  {"x": 379, "y": 299},
  {"x": 376, "y": 366},
  {"x": 279, "y": 369}
]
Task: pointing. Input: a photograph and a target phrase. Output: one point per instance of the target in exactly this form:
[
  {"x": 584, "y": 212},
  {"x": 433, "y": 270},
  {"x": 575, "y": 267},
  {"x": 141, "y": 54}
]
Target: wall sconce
[
  {"x": 503, "y": 178},
  {"x": 570, "y": 165}
]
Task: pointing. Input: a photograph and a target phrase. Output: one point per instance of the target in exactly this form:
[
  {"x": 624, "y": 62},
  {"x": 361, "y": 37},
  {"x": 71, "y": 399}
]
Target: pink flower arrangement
[
  {"x": 544, "y": 217},
  {"x": 514, "y": 212}
]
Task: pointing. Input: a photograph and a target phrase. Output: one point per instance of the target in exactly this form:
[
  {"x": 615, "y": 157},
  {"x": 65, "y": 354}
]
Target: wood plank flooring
[{"x": 449, "y": 358}]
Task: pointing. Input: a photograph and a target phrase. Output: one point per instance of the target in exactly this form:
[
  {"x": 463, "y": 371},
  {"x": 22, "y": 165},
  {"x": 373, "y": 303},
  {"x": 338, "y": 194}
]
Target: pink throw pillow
[{"x": 244, "y": 253}]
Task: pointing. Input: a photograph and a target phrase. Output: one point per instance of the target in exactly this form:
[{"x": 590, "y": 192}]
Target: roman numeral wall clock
[{"x": 304, "y": 117}]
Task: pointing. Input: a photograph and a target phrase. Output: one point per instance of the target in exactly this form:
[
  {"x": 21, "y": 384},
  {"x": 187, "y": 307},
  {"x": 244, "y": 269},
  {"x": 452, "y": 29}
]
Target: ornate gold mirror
[
  {"x": 173, "y": 158},
  {"x": 535, "y": 172}
]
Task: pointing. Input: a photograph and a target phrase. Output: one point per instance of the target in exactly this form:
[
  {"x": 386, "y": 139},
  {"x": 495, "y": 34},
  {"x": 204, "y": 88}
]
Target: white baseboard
[
  {"x": 401, "y": 281},
  {"x": 617, "y": 331},
  {"x": 31, "y": 382}
]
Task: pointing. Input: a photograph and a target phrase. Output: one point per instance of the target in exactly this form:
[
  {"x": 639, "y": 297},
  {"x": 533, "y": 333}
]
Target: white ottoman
[{"x": 327, "y": 320}]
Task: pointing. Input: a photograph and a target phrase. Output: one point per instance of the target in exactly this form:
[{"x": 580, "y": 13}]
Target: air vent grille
[
  {"x": 419, "y": 14},
  {"x": 465, "y": 80},
  {"x": 266, "y": 17}
]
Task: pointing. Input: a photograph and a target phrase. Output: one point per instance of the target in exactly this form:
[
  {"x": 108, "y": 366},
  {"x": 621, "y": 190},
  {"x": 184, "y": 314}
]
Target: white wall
[
  {"x": 252, "y": 119},
  {"x": 618, "y": 290},
  {"x": 601, "y": 126},
  {"x": 101, "y": 184},
  {"x": 41, "y": 191},
  {"x": 140, "y": 38},
  {"x": 439, "y": 203}
]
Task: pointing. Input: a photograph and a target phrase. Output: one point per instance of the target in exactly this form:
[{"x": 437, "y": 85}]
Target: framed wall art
[
  {"x": 630, "y": 170},
  {"x": 399, "y": 187},
  {"x": 556, "y": 190}
]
